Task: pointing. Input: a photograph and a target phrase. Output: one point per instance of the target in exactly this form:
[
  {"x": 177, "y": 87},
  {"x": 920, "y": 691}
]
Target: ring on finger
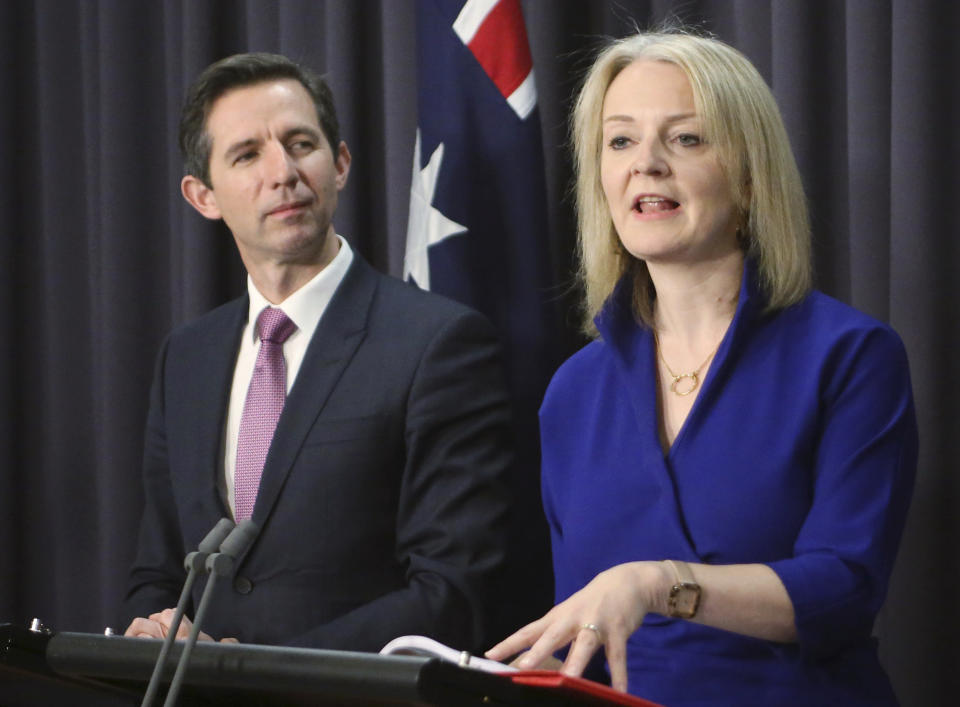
[{"x": 595, "y": 629}]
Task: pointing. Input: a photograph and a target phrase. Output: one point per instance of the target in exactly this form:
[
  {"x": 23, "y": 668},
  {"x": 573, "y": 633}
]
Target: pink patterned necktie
[{"x": 261, "y": 410}]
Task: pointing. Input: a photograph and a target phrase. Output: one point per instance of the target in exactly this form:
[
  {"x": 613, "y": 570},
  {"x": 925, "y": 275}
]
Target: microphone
[
  {"x": 219, "y": 564},
  {"x": 193, "y": 563}
]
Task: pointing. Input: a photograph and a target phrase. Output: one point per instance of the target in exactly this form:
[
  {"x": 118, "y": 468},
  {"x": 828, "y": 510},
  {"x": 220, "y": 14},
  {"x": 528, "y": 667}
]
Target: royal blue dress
[{"x": 800, "y": 452}]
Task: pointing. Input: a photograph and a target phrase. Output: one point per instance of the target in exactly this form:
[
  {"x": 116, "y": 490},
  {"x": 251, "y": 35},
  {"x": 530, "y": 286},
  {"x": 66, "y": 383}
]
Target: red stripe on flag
[{"x": 501, "y": 47}]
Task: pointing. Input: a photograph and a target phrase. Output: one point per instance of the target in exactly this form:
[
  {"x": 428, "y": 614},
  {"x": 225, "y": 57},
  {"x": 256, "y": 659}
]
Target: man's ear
[
  {"x": 200, "y": 197},
  {"x": 342, "y": 163}
]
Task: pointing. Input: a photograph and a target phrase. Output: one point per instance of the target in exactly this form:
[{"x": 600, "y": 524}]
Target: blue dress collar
[{"x": 618, "y": 325}]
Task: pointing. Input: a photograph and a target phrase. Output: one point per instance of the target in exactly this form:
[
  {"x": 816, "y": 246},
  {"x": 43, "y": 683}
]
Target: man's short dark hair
[{"x": 238, "y": 71}]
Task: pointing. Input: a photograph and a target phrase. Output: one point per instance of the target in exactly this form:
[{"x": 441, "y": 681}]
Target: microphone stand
[
  {"x": 219, "y": 564},
  {"x": 194, "y": 564}
]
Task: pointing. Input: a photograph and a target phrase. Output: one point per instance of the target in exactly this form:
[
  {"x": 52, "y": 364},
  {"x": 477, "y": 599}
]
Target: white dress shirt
[{"x": 304, "y": 307}]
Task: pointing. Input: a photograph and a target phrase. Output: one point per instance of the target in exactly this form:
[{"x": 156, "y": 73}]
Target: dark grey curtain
[{"x": 100, "y": 257}]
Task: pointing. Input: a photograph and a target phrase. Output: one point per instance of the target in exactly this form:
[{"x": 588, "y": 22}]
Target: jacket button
[{"x": 243, "y": 585}]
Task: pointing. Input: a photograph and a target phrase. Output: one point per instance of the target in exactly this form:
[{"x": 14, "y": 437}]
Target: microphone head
[
  {"x": 216, "y": 536},
  {"x": 240, "y": 538}
]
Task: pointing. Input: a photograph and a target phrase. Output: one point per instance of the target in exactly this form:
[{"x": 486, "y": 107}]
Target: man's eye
[
  {"x": 245, "y": 157},
  {"x": 302, "y": 146},
  {"x": 688, "y": 139},
  {"x": 619, "y": 142}
]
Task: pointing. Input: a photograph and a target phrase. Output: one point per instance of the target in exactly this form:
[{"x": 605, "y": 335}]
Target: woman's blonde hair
[{"x": 740, "y": 118}]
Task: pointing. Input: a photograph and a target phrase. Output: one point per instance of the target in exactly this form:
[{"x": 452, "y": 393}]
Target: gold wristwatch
[{"x": 685, "y": 593}]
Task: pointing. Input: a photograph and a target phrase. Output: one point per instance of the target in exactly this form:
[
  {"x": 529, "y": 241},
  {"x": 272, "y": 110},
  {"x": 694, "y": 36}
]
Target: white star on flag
[{"x": 426, "y": 225}]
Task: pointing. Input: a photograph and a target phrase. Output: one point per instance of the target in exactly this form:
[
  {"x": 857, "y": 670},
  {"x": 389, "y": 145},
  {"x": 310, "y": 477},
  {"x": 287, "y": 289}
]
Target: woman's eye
[
  {"x": 688, "y": 139},
  {"x": 619, "y": 142}
]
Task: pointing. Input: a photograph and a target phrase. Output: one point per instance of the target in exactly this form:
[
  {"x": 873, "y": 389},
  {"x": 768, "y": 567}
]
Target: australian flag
[{"x": 478, "y": 219}]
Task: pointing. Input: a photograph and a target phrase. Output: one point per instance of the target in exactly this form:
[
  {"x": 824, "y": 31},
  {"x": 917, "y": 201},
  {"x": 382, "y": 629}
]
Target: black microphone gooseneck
[
  {"x": 219, "y": 564},
  {"x": 194, "y": 563}
]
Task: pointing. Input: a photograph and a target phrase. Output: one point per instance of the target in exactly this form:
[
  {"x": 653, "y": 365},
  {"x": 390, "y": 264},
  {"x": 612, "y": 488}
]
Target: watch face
[{"x": 684, "y": 600}]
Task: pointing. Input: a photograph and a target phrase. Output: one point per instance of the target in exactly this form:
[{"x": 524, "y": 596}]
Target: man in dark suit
[{"x": 380, "y": 498}]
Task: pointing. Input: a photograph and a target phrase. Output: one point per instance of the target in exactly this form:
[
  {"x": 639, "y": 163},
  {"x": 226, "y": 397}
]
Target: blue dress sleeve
[{"x": 862, "y": 482}]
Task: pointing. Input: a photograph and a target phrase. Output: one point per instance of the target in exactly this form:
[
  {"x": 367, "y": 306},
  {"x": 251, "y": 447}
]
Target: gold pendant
[{"x": 694, "y": 382}]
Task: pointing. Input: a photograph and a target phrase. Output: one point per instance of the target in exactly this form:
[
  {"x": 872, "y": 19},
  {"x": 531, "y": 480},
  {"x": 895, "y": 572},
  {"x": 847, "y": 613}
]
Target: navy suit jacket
[{"x": 382, "y": 502}]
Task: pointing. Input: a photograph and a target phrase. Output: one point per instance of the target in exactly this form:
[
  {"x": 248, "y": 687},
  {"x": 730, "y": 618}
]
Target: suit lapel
[
  {"x": 212, "y": 377},
  {"x": 334, "y": 342}
]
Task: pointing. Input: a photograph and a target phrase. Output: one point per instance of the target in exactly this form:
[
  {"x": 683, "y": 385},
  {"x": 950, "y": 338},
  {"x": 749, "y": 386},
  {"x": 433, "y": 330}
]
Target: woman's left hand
[{"x": 605, "y": 612}]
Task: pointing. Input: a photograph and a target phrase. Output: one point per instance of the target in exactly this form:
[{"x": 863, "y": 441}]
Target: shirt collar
[{"x": 307, "y": 304}]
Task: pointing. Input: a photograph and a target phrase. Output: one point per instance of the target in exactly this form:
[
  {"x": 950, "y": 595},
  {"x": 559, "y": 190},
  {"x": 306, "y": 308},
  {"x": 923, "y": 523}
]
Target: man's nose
[
  {"x": 280, "y": 166},
  {"x": 650, "y": 158}
]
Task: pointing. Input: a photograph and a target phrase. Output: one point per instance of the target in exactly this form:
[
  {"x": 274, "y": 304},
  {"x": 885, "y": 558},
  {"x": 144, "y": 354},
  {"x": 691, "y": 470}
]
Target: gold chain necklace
[{"x": 693, "y": 377}]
